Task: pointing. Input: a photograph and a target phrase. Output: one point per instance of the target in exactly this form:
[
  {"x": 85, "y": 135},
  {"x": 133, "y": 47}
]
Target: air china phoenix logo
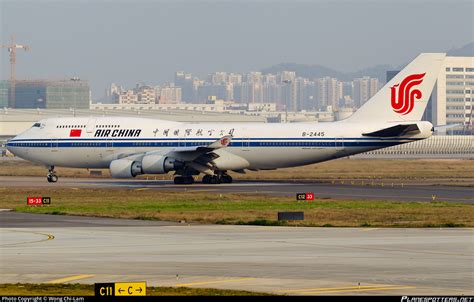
[
  {"x": 403, "y": 94},
  {"x": 225, "y": 141}
]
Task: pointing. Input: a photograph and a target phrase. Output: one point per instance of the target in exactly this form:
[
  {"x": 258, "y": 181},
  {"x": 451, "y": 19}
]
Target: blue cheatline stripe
[
  {"x": 80, "y": 144},
  {"x": 209, "y": 139}
]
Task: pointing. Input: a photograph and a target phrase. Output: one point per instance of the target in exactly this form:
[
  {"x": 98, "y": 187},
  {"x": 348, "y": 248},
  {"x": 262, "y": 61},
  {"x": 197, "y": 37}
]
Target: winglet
[{"x": 221, "y": 143}]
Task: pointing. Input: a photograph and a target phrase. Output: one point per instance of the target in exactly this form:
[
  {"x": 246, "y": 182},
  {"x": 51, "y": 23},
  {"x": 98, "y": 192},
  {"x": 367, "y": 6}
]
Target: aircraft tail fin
[{"x": 403, "y": 98}]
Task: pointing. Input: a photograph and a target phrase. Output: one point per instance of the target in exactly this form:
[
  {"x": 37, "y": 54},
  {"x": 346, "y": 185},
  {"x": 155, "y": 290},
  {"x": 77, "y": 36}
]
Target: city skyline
[
  {"x": 128, "y": 42},
  {"x": 285, "y": 89}
]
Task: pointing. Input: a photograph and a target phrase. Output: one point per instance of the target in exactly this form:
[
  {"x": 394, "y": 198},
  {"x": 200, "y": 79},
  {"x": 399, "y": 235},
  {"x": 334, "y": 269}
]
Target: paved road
[
  {"x": 348, "y": 190},
  {"x": 301, "y": 261}
]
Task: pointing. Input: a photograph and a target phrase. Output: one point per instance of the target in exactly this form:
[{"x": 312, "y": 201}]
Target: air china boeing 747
[{"x": 134, "y": 146}]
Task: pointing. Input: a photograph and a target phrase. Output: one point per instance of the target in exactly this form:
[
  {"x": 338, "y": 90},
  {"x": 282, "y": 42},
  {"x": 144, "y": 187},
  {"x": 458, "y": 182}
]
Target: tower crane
[{"x": 12, "y": 50}]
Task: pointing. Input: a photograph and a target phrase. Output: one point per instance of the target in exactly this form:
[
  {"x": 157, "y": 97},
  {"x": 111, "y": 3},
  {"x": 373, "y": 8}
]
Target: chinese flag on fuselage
[{"x": 75, "y": 133}]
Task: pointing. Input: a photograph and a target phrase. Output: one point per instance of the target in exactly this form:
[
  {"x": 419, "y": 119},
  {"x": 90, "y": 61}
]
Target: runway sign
[
  {"x": 120, "y": 289},
  {"x": 305, "y": 196},
  {"x": 130, "y": 288},
  {"x": 38, "y": 201}
]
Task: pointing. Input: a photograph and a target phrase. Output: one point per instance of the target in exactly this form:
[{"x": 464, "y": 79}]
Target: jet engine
[
  {"x": 124, "y": 168},
  {"x": 158, "y": 164}
]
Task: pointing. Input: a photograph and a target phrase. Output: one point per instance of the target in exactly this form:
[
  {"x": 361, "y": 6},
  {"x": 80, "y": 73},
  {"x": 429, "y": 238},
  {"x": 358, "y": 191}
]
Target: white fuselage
[{"x": 264, "y": 146}]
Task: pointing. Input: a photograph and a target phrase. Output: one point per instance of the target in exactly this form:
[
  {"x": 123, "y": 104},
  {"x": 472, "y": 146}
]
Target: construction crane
[{"x": 12, "y": 50}]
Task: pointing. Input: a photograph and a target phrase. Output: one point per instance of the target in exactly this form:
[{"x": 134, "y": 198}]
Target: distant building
[
  {"x": 73, "y": 93},
  {"x": 4, "y": 94},
  {"x": 235, "y": 78},
  {"x": 328, "y": 92},
  {"x": 390, "y": 74},
  {"x": 364, "y": 89},
  {"x": 287, "y": 80},
  {"x": 169, "y": 94},
  {"x": 128, "y": 97},
  {"x": 218, "y": 78},
  {"x": 453, "y": 95},
  {"x": 146, "y": 95},
  {"x": 261, "y": 107},
  {"x": 186, "y": 82}
]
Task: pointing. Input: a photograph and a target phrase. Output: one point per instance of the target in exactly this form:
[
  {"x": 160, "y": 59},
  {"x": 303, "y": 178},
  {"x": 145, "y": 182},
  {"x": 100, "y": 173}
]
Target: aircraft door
[
  {"x": 54, "y": 145},
  {"x": 182, "y": 138},
  {"x": 245, "y": 141},
  {"x": 109, "y": 144},
  {"x": 91, "y": 125},
  {"x": 339, "y": 144}
]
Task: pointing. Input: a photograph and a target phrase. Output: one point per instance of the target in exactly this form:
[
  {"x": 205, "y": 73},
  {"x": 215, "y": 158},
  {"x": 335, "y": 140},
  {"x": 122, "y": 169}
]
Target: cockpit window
[{"x": 37, "y": 125}]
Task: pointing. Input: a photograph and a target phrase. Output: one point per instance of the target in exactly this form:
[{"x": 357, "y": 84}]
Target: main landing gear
[
  {"x": 52, "y": 177},
  {"x": 183, "y": 180},
  {"x": 217, "y": 179}
]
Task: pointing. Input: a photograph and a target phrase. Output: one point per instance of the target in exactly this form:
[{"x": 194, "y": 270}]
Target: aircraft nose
[{"x": 9, "y": 144}]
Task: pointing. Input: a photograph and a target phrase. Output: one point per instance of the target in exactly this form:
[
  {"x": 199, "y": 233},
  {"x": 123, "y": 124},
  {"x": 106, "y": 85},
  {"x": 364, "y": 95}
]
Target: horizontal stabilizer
[
  {"x": 446, "y": 127},
  {"x": 398, "y": 130}
]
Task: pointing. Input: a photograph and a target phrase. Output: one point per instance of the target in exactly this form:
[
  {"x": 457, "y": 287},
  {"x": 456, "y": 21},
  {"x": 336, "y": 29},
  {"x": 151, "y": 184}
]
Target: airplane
[{"x": 133, "y": 146}]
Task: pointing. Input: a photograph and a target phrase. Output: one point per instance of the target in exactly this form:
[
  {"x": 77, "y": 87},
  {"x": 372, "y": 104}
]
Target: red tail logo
[
  {"x": 406, "y": 94},
  {"x": 75, "y": 133}
]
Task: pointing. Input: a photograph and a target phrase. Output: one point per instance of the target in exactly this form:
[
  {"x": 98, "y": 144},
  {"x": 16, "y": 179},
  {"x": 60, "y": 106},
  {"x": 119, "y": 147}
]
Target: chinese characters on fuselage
[
  {"x": 193, "y": 132},
  {"x": 163, "y": 132}
]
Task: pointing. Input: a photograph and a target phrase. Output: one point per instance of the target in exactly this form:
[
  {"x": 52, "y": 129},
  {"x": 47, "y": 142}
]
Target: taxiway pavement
[{"x": 286, "y": 260}]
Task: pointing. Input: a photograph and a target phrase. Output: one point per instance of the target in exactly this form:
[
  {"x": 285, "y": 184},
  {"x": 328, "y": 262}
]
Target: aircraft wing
[
  {"x": 395, "y": 131},
  {"x": 220, "y": 143},
  {"x": 200, "y": 158},
  {"x": 192, "y": 153}
]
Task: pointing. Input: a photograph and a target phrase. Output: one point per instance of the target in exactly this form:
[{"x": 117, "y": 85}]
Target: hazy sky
[{"x": 147, "y": 41}]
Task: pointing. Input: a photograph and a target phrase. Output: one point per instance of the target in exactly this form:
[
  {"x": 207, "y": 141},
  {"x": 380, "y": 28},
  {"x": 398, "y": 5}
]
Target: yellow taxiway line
[
  {"x": 324, "y": 290},
  {"x": 356, "y": 290},
  {"x": 48, "y": 237},
  {"x": 71, "y": 278},
  {"x": 214, "y": 282}
]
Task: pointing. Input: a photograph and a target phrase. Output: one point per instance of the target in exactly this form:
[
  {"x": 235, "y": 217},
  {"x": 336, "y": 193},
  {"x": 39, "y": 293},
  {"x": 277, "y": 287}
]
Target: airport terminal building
[
  {"x": 452, "y": 97},
  {"x": 73, "y": 93}
]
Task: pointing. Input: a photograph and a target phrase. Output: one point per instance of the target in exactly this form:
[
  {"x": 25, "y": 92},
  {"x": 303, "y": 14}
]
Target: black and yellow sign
[{"x": 120, "y": 289}]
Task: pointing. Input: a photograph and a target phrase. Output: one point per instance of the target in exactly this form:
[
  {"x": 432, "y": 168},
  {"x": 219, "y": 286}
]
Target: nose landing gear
[{"x": 52, "y": 177}]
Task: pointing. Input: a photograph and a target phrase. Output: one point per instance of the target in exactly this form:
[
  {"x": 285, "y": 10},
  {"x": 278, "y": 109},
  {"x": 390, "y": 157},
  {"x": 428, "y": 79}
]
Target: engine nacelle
[
  {"x": 124, "y": 168},
  {"x": 158, "y": 164}
]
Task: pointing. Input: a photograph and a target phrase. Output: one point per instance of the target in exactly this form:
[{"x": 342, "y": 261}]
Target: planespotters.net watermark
[{"x": 437, "y": 299}]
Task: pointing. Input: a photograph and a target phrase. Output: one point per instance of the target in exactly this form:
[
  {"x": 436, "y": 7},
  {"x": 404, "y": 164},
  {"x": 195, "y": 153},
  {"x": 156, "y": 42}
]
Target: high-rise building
[
  {"x": 303, "y": 93},
  {"x": 128, "y": 97},
  {"x": 235, "y": 78},
  {"x": 73, "y": 93},
  {"x": 271, "y": 93},
  {"x": 288, "y": 89},
  {"x": 186, "y": 82},
  {"x": 453, "y": 95},
  {"x": 4, "y": 85},
  {"x": 146, "y": 95},
  {"x": 364, "y": 89},
  {"x": 221, "y": 92},
  {"x": 169, "y": 94},
  {"x": 328, "y": 92},
  {"x": 254, "y": 77},
  {"x": 218, "y": 78}
]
